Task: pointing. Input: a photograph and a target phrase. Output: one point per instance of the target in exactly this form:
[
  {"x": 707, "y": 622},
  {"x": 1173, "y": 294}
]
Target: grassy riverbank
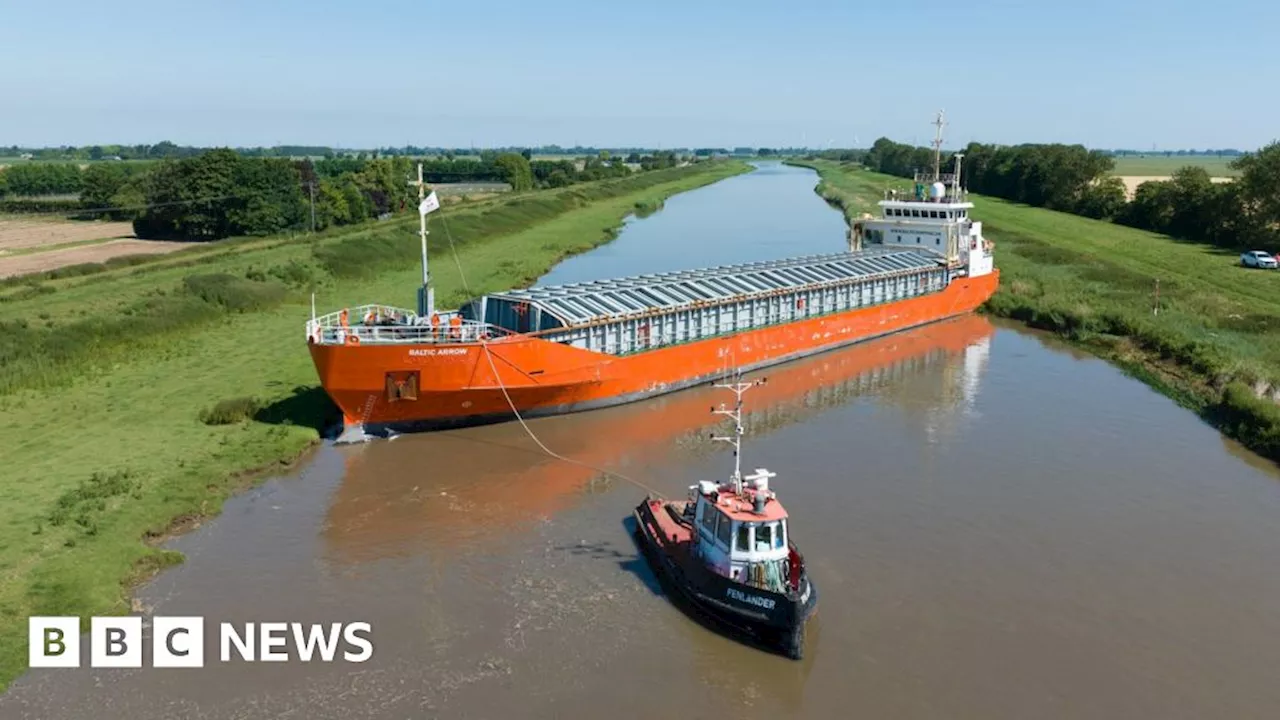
[
  {"x": 1213, "y": 346},
  {"x": 111, "y": 372}
]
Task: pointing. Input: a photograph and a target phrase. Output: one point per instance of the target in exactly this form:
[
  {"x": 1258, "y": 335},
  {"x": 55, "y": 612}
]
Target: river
[{"x": 999, "y": 527}]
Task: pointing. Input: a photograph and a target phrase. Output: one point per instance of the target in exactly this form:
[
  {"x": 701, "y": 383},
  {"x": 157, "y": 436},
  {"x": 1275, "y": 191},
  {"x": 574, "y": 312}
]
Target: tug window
[
  {"x": 764, "y": 537},
  {"x": 744, "y": 537},
  {"x": 780, "y": 537},
  {"x": 709, "y": 520},
  {"x": 723, "y": 531}
]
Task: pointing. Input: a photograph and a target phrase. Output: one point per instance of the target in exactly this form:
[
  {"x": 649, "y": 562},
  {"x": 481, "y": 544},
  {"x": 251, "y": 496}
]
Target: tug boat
[{"x": 728, "y": 550}]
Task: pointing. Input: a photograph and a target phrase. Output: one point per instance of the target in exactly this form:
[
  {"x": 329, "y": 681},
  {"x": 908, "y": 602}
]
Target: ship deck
[{"x": 579, "y": 303}]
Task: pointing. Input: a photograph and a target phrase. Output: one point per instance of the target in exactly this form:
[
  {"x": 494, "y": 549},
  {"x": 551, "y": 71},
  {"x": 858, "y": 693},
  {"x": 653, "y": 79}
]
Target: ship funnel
[{"x": 760, "y": 500}]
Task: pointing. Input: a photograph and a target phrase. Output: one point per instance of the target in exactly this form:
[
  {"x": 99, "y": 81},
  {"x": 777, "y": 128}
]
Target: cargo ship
[{"x": 573, "y": 347}]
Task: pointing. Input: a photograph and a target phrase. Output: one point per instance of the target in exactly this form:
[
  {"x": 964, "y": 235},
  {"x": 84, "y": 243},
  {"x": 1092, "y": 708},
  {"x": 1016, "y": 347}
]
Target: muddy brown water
[{"x": 999, "y": 527}]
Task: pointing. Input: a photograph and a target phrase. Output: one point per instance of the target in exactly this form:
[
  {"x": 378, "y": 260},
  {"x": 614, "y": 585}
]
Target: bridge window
[
  {"x": 723, "y": 530},
  {"x": 764, "y": 537},
  {"x": 744, "y": 537}
]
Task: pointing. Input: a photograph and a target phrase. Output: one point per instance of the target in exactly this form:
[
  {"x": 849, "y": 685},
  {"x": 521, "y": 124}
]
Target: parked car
[{"x": 1258, "y": 259}]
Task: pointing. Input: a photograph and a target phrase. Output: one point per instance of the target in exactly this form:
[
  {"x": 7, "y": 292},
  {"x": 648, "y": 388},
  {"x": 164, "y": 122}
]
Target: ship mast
[
  {"x": 738, "y": 387},
  {"x": 426, "y": 295},
  {"x": 937, "y": 147}
]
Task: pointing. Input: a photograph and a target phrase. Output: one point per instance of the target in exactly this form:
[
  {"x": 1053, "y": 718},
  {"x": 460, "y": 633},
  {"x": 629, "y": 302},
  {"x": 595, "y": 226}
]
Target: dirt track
[{"x": 40, "y": 261}]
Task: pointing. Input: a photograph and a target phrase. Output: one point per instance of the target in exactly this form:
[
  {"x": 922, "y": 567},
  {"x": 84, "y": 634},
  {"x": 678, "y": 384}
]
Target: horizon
[
  {"x": 554, "y": 150},
  {"x": 760, "y": 75}
]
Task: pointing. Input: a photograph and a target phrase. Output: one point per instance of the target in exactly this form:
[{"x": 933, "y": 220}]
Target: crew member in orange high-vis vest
[
  {"x": 455, "y": 327},
  {"x": 435, "y": 326}
]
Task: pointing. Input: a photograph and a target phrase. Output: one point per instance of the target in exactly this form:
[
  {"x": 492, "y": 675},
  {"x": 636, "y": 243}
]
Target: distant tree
[
  {"x": 1259, "y": 188},
  {"x": 43, "y": 178},
  {"x": 515, "y": 170},
  {"x": 95, "y": 153},
  {"x": 1103, "y": 200},
  {"x": 102, "y": 183},
  {"x": 219, "y": 194},
  {"x": 1152, "y": 207},
  {"x": 527, "y": 154},
  {"x": 558, "y": 178}
]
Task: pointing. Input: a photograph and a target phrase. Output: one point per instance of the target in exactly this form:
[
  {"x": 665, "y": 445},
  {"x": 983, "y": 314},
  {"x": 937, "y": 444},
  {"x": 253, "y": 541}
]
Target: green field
[
  {"x": 105, "y": 445},
  {"x": 1156, "y": 165},
  {"x": 1214, "y": 345}
]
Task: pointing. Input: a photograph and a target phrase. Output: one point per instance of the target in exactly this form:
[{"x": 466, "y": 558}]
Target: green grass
[
  {"x": 1214, "y": 343},
  {"x": 1157, "y": 165},
  {"x": 159, "y": 421}
]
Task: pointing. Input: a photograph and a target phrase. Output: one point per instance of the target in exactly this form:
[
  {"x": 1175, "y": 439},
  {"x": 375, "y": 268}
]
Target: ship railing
[
  {"x": 910, "y": 196},
  {"x": 926, "y": 178},
  {"x": 387, "y": 325}
]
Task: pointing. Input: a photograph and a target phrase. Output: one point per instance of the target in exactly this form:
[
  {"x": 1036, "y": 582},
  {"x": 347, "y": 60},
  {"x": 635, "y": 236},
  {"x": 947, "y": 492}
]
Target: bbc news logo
[{"x": 178, "y": 642}]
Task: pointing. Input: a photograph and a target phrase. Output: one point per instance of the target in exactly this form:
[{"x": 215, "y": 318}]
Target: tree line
[
  {"x": 166, "y": 150},
  {"x": 100, "y": 180},
  {"x": 1071, "y": 178},
  {"x": 223, "y": 193},
  {"x": 40, "y": 179}
]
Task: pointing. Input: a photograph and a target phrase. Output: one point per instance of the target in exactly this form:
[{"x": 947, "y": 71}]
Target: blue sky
[{"x": 594, "y": 72}]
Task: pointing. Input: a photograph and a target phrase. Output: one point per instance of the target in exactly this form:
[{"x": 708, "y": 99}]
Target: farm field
[
  {"x": 1163, "y": 166},
  {"x": 36, "y": 245},
  {"x": 1134, "y": 170},
  {"x": 92, "y": 252},
  {"x": 20, "y": 233},
  {"x": 1131, "y": 182}
]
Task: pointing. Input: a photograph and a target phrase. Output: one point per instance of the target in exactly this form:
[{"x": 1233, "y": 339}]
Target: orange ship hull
[{"x": 468, "y": 383}]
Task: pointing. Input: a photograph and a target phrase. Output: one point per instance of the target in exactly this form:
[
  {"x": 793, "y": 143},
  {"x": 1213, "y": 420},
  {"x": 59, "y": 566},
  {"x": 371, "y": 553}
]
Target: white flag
[{"x": 429, "y": 203}]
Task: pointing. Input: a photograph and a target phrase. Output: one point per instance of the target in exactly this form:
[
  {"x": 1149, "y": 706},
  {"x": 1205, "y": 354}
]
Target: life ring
[{"x": 353, "y": 339}]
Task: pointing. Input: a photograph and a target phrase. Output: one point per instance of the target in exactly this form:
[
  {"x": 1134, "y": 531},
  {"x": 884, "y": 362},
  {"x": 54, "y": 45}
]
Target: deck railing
[{"x": 387, "y": 325}]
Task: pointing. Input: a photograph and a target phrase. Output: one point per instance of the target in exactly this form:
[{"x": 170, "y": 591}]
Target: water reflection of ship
[
  {"x": 466, "y": 486},
  {"x": 900, "y": 376}
]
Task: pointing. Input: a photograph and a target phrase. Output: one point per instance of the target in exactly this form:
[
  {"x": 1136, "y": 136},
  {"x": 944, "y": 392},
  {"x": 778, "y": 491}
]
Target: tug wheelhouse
[{"x": 743, "y": 538}]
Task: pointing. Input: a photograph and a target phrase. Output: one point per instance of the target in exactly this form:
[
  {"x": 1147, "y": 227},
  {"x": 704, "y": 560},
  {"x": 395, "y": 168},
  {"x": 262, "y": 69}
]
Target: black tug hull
[{"x": 775, "y": 620}]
